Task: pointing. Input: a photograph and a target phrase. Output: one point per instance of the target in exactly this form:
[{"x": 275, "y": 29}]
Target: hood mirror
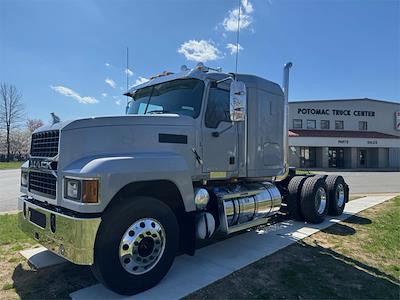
[{"x": 238, "y": 99}]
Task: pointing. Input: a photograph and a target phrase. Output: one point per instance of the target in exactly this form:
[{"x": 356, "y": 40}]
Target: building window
[
  {"x": 297, "y": 123},
  {"x": 325, "y": 124},
  {"x": 311, "y": 124},
  {"x": 307, "y": 157},
  {"x": 362, "y": 125},
  {"x": 339, "y": 125}
]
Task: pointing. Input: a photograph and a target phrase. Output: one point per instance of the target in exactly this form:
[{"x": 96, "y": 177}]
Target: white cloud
[
  {"x": 230, "y": 23},
  {"x": 128, "y": 72},
  {"x": 199, "y": 50},
  {"x": 141, "y": 80},
  {"x": 247, "y": 6},
  {"x": 118, "y": 102},
  {"x": 104, "y": 95},
  {"x": 110, "y": 82},
  {"x": 107, "y": 64},
  {"x": 233, "y": 48},
  {"x": 70, "y": 93}
]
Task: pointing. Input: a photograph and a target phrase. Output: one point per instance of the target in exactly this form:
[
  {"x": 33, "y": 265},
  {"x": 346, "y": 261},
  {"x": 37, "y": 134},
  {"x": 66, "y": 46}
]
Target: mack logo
[{"x": 40, "y": 164}]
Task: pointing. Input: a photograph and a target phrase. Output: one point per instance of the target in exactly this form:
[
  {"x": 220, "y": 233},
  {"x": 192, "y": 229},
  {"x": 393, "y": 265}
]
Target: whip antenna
[
  {"x": 237, "y": 41},
  {"x": 127, "y": 74}
]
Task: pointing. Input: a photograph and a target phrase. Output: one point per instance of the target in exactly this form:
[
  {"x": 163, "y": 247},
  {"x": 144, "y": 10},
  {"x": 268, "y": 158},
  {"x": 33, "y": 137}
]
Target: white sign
[{"x": 397, "y": 121}]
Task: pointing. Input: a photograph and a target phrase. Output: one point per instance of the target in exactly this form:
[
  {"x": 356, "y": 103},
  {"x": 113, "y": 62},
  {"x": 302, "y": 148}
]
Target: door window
[{"x": 217, "y": 107}]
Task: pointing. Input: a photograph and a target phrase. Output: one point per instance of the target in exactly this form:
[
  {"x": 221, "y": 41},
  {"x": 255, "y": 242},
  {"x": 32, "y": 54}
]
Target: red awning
[{"x": 341, "y": 134}]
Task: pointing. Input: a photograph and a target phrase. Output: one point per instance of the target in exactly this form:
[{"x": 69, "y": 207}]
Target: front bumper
[{"x": 72, "y": 237}]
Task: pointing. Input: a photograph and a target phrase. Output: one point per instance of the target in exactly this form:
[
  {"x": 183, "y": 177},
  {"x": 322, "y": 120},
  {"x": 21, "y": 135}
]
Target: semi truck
[{"x": 199, "y": 153}]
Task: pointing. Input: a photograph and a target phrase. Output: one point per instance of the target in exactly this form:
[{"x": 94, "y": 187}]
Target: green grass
[
  {"x": 10, "y": 165},
  {"x": 304, "y": 172},
  {"x": 384, "y": 238},
  {"x": 7, "y": 286},
  {"x": 12, "y": 239}
]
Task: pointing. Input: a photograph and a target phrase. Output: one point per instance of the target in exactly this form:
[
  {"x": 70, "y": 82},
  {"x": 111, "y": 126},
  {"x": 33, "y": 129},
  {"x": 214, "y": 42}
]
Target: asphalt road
[
  {"x": 359, "y": 182},
  {"x": 9, "y": 189}
]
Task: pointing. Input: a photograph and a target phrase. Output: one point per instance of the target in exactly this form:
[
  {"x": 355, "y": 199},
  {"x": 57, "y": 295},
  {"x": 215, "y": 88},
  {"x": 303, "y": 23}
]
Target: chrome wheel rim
[
  {"x": 320, "y": 200},
  {"x": 142, "y": 246},
  {"x": 340, "y": 195}
]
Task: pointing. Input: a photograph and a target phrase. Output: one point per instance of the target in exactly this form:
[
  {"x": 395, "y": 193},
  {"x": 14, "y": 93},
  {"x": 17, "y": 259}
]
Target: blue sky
[{"x": 68, "y": 57}]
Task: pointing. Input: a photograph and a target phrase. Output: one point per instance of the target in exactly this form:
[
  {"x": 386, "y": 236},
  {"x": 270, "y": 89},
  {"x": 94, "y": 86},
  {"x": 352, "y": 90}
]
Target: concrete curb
[{"x": 218, "y": 260}]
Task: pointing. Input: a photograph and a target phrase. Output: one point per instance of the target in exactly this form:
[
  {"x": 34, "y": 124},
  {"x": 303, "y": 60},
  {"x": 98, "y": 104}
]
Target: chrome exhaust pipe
[{"x": 285, "y": 85}]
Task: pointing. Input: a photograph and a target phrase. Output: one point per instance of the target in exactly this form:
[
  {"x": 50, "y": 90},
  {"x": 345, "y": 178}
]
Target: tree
[
  {"x": 33, "y": 124},
  {"x": 11, "y": 111}
]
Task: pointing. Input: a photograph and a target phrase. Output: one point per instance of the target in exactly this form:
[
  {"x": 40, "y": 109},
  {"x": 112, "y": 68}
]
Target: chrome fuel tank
[{"x": 246, "y": 205}]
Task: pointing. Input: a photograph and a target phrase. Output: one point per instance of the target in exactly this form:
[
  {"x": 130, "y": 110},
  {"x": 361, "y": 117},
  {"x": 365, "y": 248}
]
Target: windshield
[{"x": 182, "y": 97}]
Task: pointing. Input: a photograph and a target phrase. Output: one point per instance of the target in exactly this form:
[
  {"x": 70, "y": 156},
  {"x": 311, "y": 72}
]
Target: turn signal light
[{"x": 90, "y": 191}]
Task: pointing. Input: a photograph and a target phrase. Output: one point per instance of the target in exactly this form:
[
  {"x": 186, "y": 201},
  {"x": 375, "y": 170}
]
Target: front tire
[
  {"x": 136, "y": 245},
  {"x": 314, "y": 200}
]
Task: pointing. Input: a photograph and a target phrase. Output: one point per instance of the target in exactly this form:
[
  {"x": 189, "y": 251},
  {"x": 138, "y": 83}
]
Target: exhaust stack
[{"x": 285, "y": 84}]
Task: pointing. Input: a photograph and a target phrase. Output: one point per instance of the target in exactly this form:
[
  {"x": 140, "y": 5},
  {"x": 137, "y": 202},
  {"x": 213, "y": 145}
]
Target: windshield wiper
[{"x": 160, "y": 112}]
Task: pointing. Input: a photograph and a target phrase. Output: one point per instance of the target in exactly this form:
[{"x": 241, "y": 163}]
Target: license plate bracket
[{"x": 37, "y": 218}]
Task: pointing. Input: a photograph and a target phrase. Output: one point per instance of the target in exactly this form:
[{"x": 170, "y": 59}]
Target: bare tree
[
  {"x": 11, "y": 111},
  {"x": 33, "y": 124}
]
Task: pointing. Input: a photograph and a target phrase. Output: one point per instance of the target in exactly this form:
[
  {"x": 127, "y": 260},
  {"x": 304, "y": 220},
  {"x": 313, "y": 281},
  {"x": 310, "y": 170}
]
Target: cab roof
[{"x": 250, "y": 80}]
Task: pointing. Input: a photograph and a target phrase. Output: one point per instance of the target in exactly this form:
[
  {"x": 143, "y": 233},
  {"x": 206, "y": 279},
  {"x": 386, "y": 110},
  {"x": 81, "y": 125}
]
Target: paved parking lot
[{"x": 359, "y": 182}]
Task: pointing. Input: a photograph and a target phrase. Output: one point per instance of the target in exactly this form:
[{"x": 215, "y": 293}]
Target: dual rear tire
[{"x": 312, "y": 198}]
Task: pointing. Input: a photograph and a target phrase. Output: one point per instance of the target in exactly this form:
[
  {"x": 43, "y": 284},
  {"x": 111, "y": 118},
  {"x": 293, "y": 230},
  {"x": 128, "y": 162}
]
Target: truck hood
[{"x": 125, "y": 120}]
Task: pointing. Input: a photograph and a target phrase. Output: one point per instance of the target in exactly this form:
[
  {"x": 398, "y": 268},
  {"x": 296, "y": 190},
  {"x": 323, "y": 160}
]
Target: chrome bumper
[{"x": 72, "y": 238}]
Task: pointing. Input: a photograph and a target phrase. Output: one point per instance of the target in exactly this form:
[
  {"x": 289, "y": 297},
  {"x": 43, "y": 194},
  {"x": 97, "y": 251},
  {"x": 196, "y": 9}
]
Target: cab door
[{"x": 219, "y": 136}]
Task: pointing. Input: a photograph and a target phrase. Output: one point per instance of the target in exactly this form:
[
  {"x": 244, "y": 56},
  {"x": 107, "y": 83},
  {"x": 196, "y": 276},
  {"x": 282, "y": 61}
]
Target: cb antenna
[
  {"x": 127, "y": 74},
  {"x": 237, "y": 40}
]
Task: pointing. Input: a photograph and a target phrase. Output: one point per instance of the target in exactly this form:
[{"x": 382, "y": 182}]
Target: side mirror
[{"x": 238, "y": 98}]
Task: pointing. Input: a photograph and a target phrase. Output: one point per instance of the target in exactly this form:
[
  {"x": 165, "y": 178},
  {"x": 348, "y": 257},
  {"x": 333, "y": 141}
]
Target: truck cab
[{"x": 197, "y": 152}]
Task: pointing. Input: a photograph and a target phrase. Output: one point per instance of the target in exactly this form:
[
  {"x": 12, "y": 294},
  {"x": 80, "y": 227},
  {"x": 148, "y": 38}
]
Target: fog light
[
  {"x": 90, "y": 191},
  {"x": 72, "y": 189}
]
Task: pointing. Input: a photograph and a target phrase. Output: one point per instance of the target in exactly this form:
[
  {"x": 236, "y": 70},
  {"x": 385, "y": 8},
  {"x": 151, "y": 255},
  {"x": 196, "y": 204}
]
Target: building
[{"x": 348, "y": 134}]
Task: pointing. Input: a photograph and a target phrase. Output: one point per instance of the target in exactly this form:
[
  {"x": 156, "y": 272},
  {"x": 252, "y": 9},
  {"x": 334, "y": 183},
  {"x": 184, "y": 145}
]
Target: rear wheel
[
  {"x": 293, "y": 198},
  {"x": 314, "y": 200},
  {"x": 136, "y": 245},
  {"x": 337, "y": 194}
]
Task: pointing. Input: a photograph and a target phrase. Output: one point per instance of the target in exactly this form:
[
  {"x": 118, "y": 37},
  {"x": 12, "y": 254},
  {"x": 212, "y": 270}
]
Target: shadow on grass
[
  {"x": 340, "y": 229},
  {"x": 358, "y": 220},
  {"x": 51, "y": 283}
]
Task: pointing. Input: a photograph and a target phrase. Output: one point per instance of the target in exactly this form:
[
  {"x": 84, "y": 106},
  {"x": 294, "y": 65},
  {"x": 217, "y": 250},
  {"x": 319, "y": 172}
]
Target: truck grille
[
  {"x": 45, "y": 144},
  {"x": 43, "y": 183}
]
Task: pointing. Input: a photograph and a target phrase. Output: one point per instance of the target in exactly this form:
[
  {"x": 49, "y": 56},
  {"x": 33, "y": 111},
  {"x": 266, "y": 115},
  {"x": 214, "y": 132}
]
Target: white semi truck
[{"x": 198, "y": 152}]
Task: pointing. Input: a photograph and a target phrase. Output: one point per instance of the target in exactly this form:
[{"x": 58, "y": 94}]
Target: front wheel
[{"x": 136, "y": 245}]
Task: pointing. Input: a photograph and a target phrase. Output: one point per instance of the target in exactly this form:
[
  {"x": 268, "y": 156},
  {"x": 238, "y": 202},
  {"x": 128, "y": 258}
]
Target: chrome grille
[
  {"x": 45, "y": 144},
  {"x": 43, "y": 183}
]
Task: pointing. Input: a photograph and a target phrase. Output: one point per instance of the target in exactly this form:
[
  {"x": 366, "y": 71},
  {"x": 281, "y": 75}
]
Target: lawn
[
  {"x": 355, "y": 259},
  {"x": 10, "y": 165}
]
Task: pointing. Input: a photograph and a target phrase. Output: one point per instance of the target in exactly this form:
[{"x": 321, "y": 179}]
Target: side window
[{"x": 217, "y": 107}]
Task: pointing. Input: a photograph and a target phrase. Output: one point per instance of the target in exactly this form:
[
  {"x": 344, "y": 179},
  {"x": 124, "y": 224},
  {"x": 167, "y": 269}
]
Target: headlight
[
  {"x": 85, "y": 190},
  {"x": 24, "y": 178},
  {"x": 72, "y": 189}
]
